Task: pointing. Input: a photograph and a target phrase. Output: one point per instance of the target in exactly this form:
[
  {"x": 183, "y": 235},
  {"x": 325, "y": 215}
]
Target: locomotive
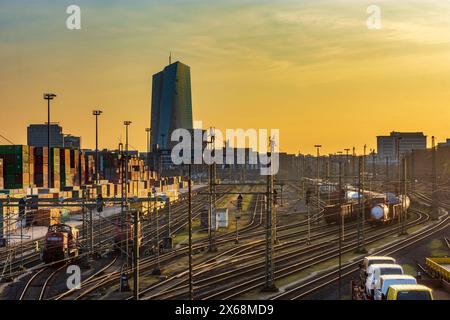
[
  {"x": 60, "y": 243},
  {"x": 121, "y": 233}
]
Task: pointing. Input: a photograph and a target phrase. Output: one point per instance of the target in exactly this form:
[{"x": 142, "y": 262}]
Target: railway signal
[
  {"x": 308, "y": 197},
  {"x": 239, "y": 202},
  {"x": 100, "y": 203}
]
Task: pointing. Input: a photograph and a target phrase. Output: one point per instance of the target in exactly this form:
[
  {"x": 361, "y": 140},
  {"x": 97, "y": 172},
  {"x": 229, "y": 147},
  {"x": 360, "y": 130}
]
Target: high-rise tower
[{"x": 171, "y": 103}]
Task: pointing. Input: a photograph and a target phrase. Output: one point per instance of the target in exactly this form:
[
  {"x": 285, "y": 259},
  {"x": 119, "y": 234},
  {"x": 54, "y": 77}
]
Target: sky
[{"x": 312, "y": 68}]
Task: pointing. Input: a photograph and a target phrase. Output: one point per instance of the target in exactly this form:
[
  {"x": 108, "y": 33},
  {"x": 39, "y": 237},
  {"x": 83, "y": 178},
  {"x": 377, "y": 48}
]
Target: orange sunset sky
[{"x": 309, "y": 68}]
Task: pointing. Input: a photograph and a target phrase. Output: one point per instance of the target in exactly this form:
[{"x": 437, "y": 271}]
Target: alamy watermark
[
  {"x": 373, "y": 22},
  {"x": 74, "y": 280},
  {"x": 263, "y": 143},
  {"x": 73, "y": 21}
]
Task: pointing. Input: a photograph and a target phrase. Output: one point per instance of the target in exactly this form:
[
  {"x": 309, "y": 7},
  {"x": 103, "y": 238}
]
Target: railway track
[
  {"x": 37, "y": 285},
  {"x": 331, "y": 277},
  {"x": 147, "y": 263},
  {"x": 231, "y": 284}
]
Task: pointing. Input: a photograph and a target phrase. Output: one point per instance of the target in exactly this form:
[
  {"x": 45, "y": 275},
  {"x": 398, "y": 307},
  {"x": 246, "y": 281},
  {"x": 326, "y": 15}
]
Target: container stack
[
  {"x": 41, "y": 167},
  {"x": 16, "y": 166},
  {"x": 65, "y": 174},
  {"x": 90, "y": 168},
  {"x": 74, "y": 166},
  {"x": 31, "y": 164},
  {"x": 2, "y": 186},
  {"x": 46, "y": 217},
  {"x": 55, "y": 164},
  {"x": 82, "y": 168}
]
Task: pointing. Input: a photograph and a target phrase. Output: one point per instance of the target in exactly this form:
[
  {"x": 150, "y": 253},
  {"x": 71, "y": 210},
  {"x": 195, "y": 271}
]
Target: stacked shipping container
[
  {"x": 41, "y": 167},
  {"x": 2, "y": 186},
  {"x": 16, "y": 166}
]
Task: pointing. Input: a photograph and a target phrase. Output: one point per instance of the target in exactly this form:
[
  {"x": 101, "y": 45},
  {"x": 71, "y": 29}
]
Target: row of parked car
[{"x": 383, "y": 279}]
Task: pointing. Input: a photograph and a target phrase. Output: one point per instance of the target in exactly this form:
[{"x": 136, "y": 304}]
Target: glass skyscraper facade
[{"x": 171, "y": 103}]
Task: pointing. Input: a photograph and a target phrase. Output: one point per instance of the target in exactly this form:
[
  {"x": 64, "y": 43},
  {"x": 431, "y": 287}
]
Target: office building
[
  {"x": 397, "y": 144},
  {"x": 171, "y": 104},
  {"x": 37, "y": 135},
  {"x": 72, "y": 142}
]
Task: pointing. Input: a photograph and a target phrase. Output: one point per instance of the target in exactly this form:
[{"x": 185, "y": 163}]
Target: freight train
[
  {"x": 60, "y": 243},
  {"x": 379, "y": 209}
]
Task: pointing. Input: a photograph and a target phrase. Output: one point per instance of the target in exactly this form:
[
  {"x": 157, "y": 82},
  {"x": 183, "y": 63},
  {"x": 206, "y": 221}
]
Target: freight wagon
[{"x": 439, "y": 267}]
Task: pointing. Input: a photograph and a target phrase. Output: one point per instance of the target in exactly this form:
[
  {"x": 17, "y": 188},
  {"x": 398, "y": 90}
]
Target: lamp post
[
  {"x": 96, "y": 113},
  {"x": 341, "y": 220},
  {"x": 149, "y": 132},
  {"x": 48, "y": 97},
  {"x": 346, "y": 165}
]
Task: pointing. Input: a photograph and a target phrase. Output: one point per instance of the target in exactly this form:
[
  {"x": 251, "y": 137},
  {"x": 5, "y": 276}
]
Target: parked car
[
  {"x": 388, "y": 280},
  {"x": 370, "y": 260},
  {"x": 374, "y": 273},
  {"x": 409, "y": 292}
]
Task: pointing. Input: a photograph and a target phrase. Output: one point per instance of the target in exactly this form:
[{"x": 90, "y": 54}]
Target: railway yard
[{"x": 309, "y": 252}]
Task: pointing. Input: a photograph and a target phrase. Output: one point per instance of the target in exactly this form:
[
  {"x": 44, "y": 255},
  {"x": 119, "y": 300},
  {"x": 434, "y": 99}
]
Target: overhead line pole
[{"x": 191, "y": 287}]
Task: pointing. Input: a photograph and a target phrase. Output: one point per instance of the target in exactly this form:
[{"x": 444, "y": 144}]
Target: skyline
[{"x": 254, "y": 64}]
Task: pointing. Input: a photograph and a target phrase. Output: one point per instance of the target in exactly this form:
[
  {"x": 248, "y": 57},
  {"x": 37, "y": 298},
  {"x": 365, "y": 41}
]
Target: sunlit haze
[{"x": 310, "y": 68}]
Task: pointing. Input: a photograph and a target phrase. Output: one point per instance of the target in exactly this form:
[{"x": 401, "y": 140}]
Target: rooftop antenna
[{"x": 170, "y": 57}]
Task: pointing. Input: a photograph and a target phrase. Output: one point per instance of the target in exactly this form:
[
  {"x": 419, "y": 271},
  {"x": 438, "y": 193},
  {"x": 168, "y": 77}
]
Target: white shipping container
[
  {"x": 214, "y": 221},
  {"x": 222, "y": 217}
]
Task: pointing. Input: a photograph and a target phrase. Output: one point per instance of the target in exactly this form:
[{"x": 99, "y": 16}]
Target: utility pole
[
  {"x": 157, "y": 270},
  {"x": 149, "y": 132},
  {"x": 91, "y": 228},
  {"x": 96, "y": 113},
  {"x": 340, "y": 231},
  {"x": 363, "y": 213},
  {"x": 411, "y": 174},
  {"x": 435, "y": 200},
  {"x": 328, "y": 178},
  {"x": 137, "y": 226},
  {"x": 308, "y": 213},
  {"x": 122, "y": 194},
  {"x": 399, "y": 171},
  {"x": 374, "y": 173},
  {"x": 358, "y": 216},
  {"x": 404, "y": 213},
  {"x": 317, "y": 146},
  {"x": 126, "y": 123},
  {"x": 169, "y": 232},
  {"x": 387, "y": 174},
  {"x": 212, "y": 200},
  {"x": 269, "y": 274},
  {"x": 353, "y": 165},
  {"x": 362, "y": 207},
  {"x": 346, "y": 165},
  {"x": 191, "y": 287},
  {"x": 48, "y": 97}
]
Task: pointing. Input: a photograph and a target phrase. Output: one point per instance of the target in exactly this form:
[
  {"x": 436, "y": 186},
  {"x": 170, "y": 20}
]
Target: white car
[
  {"x": 370, "y": 260},
  {"x": 389, "y": 280},
  {"x": 374, "y": 273}
]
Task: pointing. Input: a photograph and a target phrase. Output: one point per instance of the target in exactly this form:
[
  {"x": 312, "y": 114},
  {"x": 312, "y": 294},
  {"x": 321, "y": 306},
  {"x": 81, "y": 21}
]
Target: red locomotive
[
  {"x": 60, "y": 243},
  {"x": 121, "y": 234}
]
